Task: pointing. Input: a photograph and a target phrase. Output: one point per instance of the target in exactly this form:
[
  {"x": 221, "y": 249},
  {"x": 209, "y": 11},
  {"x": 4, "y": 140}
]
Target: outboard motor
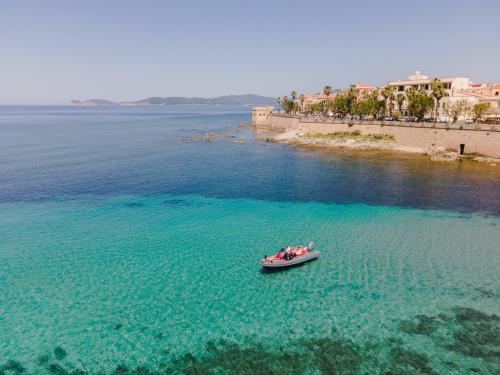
[{"x": 310, "y": 246}]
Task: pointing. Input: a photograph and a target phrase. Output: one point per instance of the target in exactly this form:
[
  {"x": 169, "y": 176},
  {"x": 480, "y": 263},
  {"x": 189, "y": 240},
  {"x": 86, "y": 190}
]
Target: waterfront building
[
  {"x": 316, "y": 98},
  {"x": 364, "y": 90},
  {"x": 486, "y": 93},
  {"x": 454, "y": 87}
]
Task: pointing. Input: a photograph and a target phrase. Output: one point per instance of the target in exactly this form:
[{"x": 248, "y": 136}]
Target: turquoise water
[{"x": 124, "y": 278}]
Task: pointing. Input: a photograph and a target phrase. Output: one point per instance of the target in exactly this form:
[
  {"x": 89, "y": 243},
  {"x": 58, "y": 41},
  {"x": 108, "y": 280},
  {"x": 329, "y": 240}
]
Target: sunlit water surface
[{"x": 125, "y": 248}]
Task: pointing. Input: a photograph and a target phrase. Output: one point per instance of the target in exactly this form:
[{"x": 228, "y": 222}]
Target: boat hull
[{"x": 290, "y": 263}]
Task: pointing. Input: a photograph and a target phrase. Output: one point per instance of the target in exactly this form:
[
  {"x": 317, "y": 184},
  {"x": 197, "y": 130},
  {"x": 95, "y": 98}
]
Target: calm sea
[{"x": 129, "y": 245}]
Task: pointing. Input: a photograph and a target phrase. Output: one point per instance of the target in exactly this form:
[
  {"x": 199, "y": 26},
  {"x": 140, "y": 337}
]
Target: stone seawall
[{"x": 482, "y": 142}]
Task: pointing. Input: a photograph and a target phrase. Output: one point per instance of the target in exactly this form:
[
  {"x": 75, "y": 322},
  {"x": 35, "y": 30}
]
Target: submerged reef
[{"x": 461, "y": 333}]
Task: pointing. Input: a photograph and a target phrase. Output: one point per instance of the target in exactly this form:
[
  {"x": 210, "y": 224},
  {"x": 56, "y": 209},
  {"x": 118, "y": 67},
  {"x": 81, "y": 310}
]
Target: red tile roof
[{"x": 360, "y": 85}]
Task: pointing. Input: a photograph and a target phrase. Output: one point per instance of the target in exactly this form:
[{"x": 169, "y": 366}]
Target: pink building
[
  {"x": 364, "y": 90},
  {"x": 316, "y": 98}
]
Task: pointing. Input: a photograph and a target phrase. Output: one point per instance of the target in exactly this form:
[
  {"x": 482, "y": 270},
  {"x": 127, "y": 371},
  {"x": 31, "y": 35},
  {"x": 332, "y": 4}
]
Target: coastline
[
  {"x": 439, "y": 142},
  {"x": 355, "y": 141}
]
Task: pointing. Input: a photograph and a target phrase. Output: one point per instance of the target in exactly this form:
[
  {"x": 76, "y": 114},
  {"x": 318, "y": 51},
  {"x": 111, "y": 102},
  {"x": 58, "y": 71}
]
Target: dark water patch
[
  {"x": 478, "y": 335},
  {"x": 467, "y": 314},
  {"x": 461, "y": 332},
  {"x": 232, "y": 358},
  {"x": 121, "y": 370},
  {"x": 177, "y": 202},
  {"x": 465, "y": 330},
  {"x": 134, "y": 205},
  {"x": 332, "y": 356},
  {"x": 487, "y": 293},
  {"x": 407, "y": 362},
  {"x": 12, "y": 367},
  {"x": 60, "y": 353},
  {"x": 422, "y": 325},
  {"x": 144, "y": 156},
  {"x": 43, "y": 359},
  {"x": 57, "y": 369}
]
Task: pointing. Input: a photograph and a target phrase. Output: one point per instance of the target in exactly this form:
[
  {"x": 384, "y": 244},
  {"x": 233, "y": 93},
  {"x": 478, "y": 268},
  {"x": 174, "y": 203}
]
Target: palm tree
[
  {"x": 411, "y": 92},
  {"x": 286, "y": 104},
  {"x": 438, "y": 92},
  {"x": 293, "y": 94},
  {"x": 278, "y": 101},
  {"x": 327, "y": 90},
  {"x": 400, "y": 98},
  {"x": 388, "y": 94}
]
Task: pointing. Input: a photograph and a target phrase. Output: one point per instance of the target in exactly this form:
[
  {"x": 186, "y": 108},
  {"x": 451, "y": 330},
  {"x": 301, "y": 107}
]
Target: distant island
[{"x": 247, "y": 99}]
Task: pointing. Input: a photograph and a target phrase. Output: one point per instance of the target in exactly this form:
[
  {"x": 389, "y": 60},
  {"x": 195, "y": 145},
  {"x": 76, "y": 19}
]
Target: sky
[{"x": 54, "y": 51}]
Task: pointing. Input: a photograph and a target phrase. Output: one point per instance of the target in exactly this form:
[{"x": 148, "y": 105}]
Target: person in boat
[
  {"x": 280, "y": 253},
  {"x": 288, "y": 253}
]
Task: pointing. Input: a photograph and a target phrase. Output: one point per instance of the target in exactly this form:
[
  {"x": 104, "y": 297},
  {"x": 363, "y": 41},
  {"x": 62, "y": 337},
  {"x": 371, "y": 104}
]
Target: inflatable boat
[{"x": 289, "y": 257}]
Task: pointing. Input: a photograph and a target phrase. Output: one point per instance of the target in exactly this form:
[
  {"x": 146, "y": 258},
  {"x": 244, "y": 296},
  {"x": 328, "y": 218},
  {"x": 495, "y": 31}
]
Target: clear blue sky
[{"x": 54, "y": 51}]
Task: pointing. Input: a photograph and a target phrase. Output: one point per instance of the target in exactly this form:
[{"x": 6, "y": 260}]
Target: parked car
[
  {"x": 388, "y": 118},
  {"x": 429, "y": 119},
  {"x": 443, "y": 120}
]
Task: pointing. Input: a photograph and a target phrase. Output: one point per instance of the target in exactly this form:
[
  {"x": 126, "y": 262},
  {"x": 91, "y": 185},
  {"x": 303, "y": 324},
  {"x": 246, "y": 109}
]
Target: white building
[{"x": 455, "y": 87}]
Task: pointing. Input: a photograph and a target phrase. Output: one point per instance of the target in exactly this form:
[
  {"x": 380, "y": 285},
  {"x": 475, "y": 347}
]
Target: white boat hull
[{"x": 290, "y": 263}]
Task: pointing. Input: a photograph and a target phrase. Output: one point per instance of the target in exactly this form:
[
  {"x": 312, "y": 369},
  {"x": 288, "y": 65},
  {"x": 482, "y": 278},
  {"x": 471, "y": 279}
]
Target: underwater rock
[
  {"x": 12, "y": 367},
  {"x": 43, "y": 359},
  {"x": 487, "y": 293},
  {"x": 425, "y": 325},
  {"x": 231, "y": 358},
  {"x": 334, "y": 356},
  {"x": 121, "y": 369},
  {"x": 407, "y": 362},
  {"x": 466, "y": 314},
  {"x": 57, "y": 369},
  {"x": 60, "y": 353}
]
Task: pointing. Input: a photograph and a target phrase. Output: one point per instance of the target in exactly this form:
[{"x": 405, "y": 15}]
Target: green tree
[
  {"x": 287, "y": 104},
  {"x": 400, "y": 98},
  {"x": 293, "y": 94},
  {"x": 302, "y": 98},
  {"x": 480, "y": 110},
  {"x": 342, "y": 104},
  {"x": 388, "y": 94},
  {"x": 438, "y": 92},
  {"x": 352, "y": 97},
  {"x": 419, "y": 103},
  {"x": 327, "y": 90},
  {"x": 457, "y": 109},
  {"x": 278, "y": 101}
]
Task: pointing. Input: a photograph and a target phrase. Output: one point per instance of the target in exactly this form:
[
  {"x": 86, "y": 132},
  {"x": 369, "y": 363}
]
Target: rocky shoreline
[{"x": 356, "y": 141}]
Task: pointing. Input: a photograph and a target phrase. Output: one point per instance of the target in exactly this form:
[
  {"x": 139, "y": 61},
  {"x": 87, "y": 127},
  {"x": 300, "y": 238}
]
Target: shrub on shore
[{"x": 354, "y": 135}]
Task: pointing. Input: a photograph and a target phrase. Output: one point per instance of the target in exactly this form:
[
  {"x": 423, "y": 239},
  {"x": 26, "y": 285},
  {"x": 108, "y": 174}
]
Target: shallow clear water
[{"x": 124, "y": 245}]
